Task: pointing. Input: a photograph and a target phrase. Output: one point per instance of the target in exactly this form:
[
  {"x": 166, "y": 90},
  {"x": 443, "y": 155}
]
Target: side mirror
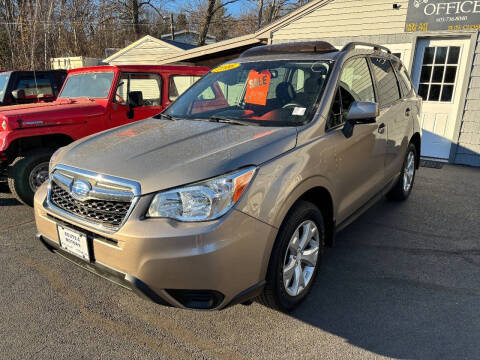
[
  {"x": 360, "y": 112},
  {"x": 363, "y": 112},
  {"x": 19, "y": 94},
  {"x": 135, "y": 99}
]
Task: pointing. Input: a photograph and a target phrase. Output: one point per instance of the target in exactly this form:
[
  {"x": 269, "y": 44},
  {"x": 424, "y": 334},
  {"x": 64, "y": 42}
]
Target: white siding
[
  {"x": 145, "y": 53},
  {"x": 468, "y": 150},
  {"x": 346, "y": 18}
]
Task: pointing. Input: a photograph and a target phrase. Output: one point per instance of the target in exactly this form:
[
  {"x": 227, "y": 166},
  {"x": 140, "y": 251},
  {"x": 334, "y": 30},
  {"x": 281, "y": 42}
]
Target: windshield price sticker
[
  {"x": 258, "y": 84},
  {"x": 225, "y": 67},
  {"x": 299, "y": 111}
]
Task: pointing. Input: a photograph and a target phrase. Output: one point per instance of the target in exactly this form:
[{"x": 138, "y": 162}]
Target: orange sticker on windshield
[{"x": 257, "y": 87}]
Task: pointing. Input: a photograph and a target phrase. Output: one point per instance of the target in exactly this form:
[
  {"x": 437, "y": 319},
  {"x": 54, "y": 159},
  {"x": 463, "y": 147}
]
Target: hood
[
  {"x": 53, "y": 113},
  {"x": 161, "y": 154}
]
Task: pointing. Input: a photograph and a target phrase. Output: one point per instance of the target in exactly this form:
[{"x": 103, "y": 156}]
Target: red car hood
[{"x": 45, "y": 114}]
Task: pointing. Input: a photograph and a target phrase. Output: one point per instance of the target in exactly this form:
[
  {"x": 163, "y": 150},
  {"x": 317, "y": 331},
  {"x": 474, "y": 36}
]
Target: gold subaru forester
[{"x": 233, "y": 192}]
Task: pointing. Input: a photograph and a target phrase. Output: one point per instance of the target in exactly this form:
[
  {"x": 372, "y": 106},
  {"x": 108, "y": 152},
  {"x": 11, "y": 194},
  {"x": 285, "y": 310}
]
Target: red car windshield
[
  {"x": 88, "y": 85},
  {"x": 262, "y": 92}
]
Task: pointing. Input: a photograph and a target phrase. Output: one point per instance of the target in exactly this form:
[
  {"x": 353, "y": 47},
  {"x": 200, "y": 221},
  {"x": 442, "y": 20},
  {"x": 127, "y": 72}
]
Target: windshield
[
  {"x": 3, "y": 84},
  {"x": 271, "y": 93},
  {"x": 89, "y": 85}
]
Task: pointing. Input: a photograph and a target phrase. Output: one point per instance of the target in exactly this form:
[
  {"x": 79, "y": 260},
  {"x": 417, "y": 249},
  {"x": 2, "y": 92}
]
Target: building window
[{"x": 439, "y": 71}]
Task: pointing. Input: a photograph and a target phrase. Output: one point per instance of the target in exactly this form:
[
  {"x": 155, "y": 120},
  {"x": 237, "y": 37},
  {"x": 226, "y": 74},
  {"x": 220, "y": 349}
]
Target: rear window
[{"x": 34, "y": 87}]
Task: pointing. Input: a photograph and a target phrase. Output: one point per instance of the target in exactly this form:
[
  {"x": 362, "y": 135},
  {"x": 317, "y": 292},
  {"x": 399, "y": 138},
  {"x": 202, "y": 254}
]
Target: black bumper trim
[
  {"x": 248, "y": 294},
  {"x": 124, "y": 280}
]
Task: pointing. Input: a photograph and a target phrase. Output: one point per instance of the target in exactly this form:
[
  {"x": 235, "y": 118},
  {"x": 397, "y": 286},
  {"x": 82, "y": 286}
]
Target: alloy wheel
[
  {"x": 409, "y": 172},
  {"x": 301, "y": 258}
]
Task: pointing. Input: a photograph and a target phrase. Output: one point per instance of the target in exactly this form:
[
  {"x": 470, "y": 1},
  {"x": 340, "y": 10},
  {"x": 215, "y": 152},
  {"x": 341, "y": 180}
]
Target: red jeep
[{"x": 91, "y": 100}]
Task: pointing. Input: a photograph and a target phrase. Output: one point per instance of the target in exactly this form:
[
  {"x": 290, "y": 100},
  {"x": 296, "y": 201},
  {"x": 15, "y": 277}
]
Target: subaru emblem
[{"x": 80, "y": 190}]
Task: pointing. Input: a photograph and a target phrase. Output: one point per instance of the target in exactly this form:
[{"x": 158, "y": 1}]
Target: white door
[
  {"x": 438, "y": 73},
  {"x": 402, "y": 51}
]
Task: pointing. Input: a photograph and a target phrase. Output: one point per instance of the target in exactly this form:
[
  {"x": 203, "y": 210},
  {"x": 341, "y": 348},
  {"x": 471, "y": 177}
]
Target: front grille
[{"x": 107, "y": 213}]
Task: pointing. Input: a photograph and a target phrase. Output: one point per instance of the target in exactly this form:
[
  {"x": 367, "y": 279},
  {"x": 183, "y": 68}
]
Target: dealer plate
[{"x": 74, "y": 242}]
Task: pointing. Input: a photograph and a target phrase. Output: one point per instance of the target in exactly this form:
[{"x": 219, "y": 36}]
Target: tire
[
  {"x": 23, "y": 168},
  {"x": 278, "y": 294},
  {"x": 400, "y": 192}
]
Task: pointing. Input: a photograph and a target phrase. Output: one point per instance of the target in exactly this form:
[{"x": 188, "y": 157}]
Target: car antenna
[{"x": 36, "y": 85}]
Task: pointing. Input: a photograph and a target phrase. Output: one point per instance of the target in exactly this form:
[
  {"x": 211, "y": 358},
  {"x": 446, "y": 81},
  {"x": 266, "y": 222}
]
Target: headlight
[
  {"x": 203, "y": 201},
  {"x": 52, "y": 160}
]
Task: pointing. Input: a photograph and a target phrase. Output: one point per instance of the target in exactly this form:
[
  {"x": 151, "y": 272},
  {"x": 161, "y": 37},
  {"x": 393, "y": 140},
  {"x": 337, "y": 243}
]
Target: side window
[
  {"x": 403, "y": 78},
  {"x": 149, "y": 85},
  {"x": 356, "y": 79},
  {"x": 387, "y": 86},
  {"x": 179, "y": 83},
  {"x": 355, "y": 84},
  {"x": 35, "y": 87}
]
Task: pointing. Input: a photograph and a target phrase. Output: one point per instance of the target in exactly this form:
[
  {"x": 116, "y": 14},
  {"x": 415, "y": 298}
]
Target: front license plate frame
[{"x": 74, "y": 242}]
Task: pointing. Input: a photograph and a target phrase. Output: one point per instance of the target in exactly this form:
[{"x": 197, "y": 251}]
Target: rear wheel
[
  {"x": 295, "y": 258},
  {"x": 402, "y": 189},
  {"x": 26, "y": 174}
]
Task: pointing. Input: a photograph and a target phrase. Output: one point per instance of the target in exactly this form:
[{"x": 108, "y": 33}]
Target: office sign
[{"x": 453, "y": 15}]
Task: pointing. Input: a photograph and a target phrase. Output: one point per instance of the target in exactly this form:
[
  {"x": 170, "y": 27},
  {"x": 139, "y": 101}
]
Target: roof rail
[{"x": 352, "y": 45}]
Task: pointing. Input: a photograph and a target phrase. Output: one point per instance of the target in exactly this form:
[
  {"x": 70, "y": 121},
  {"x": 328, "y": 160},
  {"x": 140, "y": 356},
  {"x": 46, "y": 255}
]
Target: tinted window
[
  {"x": 387, "y": 86},
  {"x": 148, "y": 84},
  {"x": 39, "y": 86},
  {"x": 403, "y": 78}
]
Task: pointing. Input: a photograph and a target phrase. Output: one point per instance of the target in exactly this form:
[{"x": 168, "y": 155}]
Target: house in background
[
  {"x": 437, "y": 41},
  {"x": 148, "y": 49},
  {"x": 188, "y": 37}
]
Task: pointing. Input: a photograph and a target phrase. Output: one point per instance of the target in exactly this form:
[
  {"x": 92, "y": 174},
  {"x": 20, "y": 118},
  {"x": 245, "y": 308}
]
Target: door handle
[
  {"x": 381, "y": 128},
  {"x": 407, "y": 112}
]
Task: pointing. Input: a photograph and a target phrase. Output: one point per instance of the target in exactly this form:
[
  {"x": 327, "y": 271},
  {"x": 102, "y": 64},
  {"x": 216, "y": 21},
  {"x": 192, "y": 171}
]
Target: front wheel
[
  {"x": 295, "y": 258},
  {"x": 402, "y": 189},
  {"x": 26, "y": 173}
]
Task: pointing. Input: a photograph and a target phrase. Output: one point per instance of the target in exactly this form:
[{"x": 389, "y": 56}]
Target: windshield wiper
[
  {"x": 228, "y": 121},
  {"x": 166, "y": 116}
]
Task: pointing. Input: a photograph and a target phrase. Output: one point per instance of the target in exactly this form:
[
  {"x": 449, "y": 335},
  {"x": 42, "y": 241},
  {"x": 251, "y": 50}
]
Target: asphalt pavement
[{"x": 403, "y": 281}]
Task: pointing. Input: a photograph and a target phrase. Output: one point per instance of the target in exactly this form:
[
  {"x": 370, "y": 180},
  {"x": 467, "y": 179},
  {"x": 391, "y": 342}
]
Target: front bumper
[{"x": 207, "y": 265}]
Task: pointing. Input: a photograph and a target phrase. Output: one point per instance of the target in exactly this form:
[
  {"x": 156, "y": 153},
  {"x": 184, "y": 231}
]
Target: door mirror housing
[
  {"x": 360, "y": 112},
  {"x": 19, "y": 94},
  {"x": 135, "y": 99},
  {"x": 363, "y": 112}
]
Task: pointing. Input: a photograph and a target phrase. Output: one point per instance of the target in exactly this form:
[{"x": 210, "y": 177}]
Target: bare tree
[{"x": 212, "y": 7}]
